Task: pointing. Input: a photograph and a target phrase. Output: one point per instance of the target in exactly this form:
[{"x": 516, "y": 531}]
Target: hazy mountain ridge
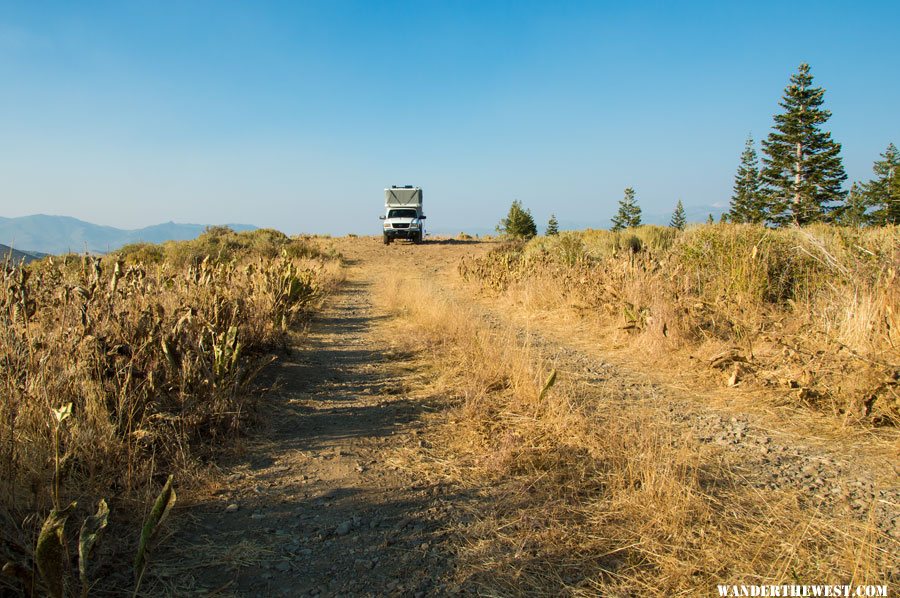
[
  {"x": 15, "y": 255},
  {"x": 63, "y": 234}
]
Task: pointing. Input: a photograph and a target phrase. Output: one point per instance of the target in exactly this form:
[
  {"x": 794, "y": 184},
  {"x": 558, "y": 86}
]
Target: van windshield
[{"x": 402, "y": 214}]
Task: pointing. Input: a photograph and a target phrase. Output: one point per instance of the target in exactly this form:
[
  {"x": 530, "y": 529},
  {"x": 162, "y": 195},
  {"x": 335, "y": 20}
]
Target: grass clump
[{"x": 221, "y": 244}]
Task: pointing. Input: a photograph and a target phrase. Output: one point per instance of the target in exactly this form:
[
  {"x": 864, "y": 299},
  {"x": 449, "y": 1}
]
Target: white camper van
[{"x": 403, "y": 217}]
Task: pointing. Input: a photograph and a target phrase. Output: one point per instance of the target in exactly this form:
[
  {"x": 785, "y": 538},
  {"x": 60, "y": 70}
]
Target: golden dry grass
[
  {"x": 813, "y": 312},
  {"x": 156, "y": 349},
  {"x": 582, "y": 496}
]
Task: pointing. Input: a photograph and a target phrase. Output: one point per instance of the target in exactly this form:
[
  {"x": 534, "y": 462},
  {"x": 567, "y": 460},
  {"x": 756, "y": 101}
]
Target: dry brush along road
[{"x": 326, "y": 496}]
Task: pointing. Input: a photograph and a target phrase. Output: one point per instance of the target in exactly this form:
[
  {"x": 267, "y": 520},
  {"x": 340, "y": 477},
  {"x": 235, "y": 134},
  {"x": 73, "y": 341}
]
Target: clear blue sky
[{"x": 297, "y": 114}]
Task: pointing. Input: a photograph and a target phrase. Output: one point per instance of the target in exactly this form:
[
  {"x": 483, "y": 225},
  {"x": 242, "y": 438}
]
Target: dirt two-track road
[{"x": 320, "y": 501}]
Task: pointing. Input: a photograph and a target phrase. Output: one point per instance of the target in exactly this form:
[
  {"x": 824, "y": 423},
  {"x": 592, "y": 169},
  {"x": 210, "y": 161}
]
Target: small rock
[
  {"x": 343, "y": 529},
  {"x": 283, "y": 566},
  {"x": 232, "y": 508}
]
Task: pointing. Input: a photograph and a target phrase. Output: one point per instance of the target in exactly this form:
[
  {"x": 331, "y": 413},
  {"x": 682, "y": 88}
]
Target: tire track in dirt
[
  {"x": 848, "y": 477},
  {"x": 314, "y": 505}
]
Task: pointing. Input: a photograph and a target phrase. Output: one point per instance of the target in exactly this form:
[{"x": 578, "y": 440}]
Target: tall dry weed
[{"x": 153, "y": 361}]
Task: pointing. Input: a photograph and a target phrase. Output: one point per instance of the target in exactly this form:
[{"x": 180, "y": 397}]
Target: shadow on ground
[{"x": 313, "y": 504}]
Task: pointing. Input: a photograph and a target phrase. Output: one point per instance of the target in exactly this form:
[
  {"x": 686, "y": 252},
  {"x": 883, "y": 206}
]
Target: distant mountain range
[{"x": 62, "y": 234}]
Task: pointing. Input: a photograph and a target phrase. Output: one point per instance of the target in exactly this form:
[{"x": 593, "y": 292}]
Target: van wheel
[{"x": 387, "y": 240}]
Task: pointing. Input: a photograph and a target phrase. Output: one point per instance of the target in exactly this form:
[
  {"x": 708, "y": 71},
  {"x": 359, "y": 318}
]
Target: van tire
[{"x": 387, "y": 240}]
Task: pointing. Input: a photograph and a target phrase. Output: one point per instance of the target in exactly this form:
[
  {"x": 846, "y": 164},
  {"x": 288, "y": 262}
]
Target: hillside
[
  {"x": 17, "y": 255},
  {"x": 419, "y": 442},
  {"x": 571, "y": 416},
  {"x": 62, "y": 234}
]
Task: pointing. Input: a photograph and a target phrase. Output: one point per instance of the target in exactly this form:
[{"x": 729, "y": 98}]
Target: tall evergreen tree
[
  {"x": 802, "y": 169},
  {"x": 678, "y": 218},
  {"x": 518, "y": 222},
  {"x": 883, "y": 192},
  {"x": 853, "y": 212},
  {"x": 629, "y": 214},
  {"x": 747, "y": 203},
  {"x": 552, "y": 226}
]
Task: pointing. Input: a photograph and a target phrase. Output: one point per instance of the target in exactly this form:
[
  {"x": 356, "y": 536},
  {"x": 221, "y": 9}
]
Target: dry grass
[
  {"x": 813, "y": 312},
  {"x": 156, "y": 349},
  {"x": 581, "y": 496}
]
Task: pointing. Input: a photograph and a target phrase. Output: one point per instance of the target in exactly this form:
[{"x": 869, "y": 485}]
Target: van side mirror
[
  {"x": 422, "y": 217},
  {"x": 381, "y": 217}
]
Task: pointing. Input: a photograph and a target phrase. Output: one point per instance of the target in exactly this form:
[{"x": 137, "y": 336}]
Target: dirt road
[
  {"x": 314, "y": 505},
  {"x": 320, "y": 501}
]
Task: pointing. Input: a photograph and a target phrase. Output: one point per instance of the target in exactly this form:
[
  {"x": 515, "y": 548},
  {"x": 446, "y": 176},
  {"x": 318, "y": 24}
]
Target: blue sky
[{"x": 296, "y": 115}]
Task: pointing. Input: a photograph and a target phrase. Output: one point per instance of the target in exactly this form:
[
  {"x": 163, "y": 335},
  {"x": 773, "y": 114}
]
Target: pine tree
[
  {"x": 746, "y": 200},
  {"x": 678, "y": 219},
  {"x": 552, "y": 226},
  {"x": 802, "y": 169},
  {"x": 853, "y": 212},
  {"x": 883, "y": 192},
  {"x": 710, "y": 220},
  {"x": 518, "y": 222},
  {"x": 629, "y": 214}
]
